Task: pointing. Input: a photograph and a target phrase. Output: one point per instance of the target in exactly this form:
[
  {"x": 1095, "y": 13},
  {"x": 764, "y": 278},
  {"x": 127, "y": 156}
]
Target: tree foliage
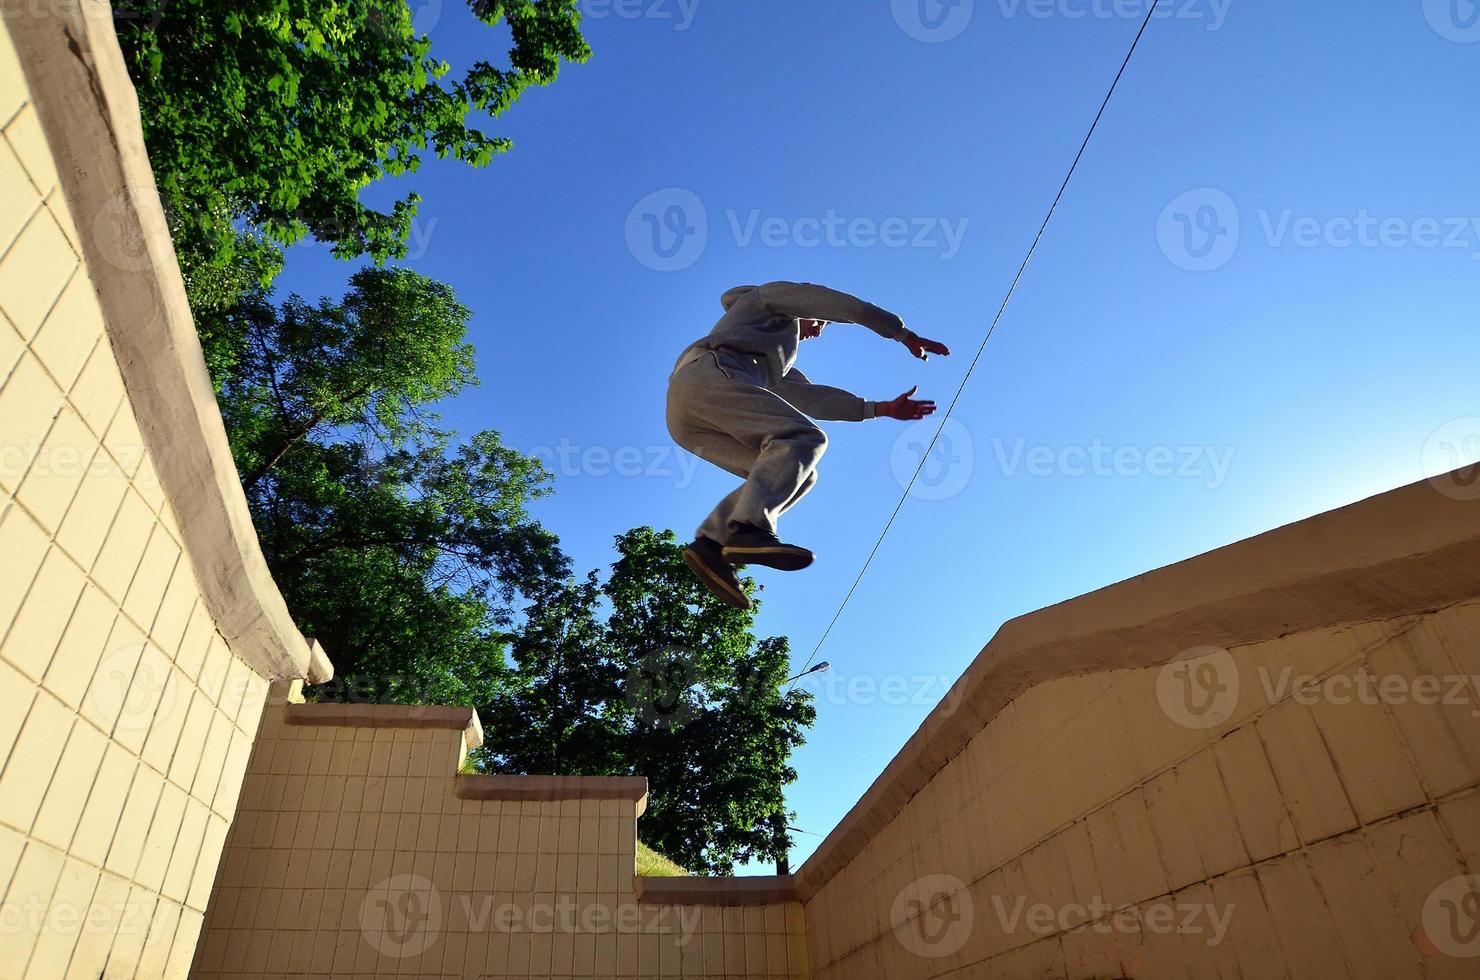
[
  {"x": 397, "y": 544},
  {"x": 266, "y": 119},
  {"x": 674, "y": 686}
]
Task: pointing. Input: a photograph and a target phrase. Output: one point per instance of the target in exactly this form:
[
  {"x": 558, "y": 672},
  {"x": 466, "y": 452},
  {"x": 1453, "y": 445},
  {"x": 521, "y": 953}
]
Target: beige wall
[
  {"x": 1317, "y": 828},
  {"x": 125, "y": 720},
  {"x": 354, "y": 854}
]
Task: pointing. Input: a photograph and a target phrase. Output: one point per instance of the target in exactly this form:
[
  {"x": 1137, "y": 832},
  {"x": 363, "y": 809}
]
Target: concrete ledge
[
  {"x": 539, "y": 788},
  {"x": 90, "y": 114},
  {"x": 760, "y": 890},
  {"x": 1401, "y": 553},
  {"x": 464, "y": 720}
]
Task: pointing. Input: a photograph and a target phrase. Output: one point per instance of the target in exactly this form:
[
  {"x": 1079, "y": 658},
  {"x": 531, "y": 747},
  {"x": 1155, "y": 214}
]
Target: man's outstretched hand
[
  {"x": 922, "y": 348},
  {"x": 904, "y": 408}
]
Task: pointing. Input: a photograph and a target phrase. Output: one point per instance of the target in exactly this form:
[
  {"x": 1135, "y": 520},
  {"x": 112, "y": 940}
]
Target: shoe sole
[
  {"x": 782, "y": 559},
  {"x": 723, "y": 590}
]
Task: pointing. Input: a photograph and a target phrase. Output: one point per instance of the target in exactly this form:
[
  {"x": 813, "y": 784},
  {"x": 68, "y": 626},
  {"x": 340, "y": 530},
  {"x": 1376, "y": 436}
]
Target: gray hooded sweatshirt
[{"x": 762, "y": 321}]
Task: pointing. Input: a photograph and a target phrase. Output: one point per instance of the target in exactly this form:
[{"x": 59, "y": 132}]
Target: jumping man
[{"x": 736, "y": 400}]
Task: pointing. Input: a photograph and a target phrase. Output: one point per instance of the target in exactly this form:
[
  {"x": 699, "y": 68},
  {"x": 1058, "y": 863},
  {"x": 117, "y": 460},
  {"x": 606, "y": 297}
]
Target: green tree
[
  {"x": 708, "y": 722},
  {"x": 266, "y": 119},
  {"x": 674, "y": 686},
  {"x": 553, "y": 717},
  {"x": 397, "y": 544}
]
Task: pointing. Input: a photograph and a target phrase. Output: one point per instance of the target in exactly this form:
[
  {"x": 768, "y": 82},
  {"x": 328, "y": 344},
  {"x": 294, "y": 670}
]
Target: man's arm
[
  {"x": 803, "y": 299},
  {"x": 836, "y": 405},
  {"x": 823, "y": 401}
]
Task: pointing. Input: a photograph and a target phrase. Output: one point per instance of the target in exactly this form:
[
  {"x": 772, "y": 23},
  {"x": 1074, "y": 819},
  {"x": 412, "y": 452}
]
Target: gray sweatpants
[{"x": 719, "y": 410}]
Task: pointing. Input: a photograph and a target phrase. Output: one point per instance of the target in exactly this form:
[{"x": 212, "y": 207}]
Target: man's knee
[
  {"x": 814, "y": 441},
  {"x": 807, "y": 445}
]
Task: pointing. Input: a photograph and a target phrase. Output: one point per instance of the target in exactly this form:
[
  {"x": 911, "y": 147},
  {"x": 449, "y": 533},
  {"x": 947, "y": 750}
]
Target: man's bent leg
[
  {"x": 782, "y": 474},
  {"x": 751, "y": 432},
  {"x": 802, "y": 491}
]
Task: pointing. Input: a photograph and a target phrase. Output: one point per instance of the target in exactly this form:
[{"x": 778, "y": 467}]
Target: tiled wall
[
  {"x": 1329, "y": 831},
  {"x": 353, "y": 856},
  {"x": 125, "y": 722}
]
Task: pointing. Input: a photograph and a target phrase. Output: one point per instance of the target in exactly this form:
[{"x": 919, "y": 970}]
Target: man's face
[{"x": 811, "y": 328}]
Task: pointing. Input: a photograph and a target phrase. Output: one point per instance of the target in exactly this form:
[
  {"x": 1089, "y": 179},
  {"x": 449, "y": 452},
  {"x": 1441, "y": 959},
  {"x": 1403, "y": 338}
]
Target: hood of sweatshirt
[{"x": 733, "y": 296}]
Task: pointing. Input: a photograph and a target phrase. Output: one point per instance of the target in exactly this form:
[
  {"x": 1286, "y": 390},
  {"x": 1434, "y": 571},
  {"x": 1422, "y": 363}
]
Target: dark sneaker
[
  {"x": 707, "y": 562},
  {"x": 751, "y": 545}
]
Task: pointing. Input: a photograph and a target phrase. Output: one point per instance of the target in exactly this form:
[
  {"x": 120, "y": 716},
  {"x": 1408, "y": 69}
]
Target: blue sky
[{"x": 1258, "y": 300}]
